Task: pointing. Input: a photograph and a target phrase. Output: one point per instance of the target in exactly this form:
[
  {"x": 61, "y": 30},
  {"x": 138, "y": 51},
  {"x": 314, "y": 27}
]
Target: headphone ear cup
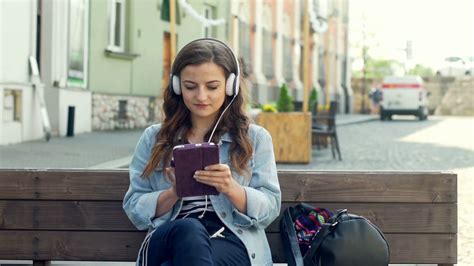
[
  {"x": 175, "y": 85},
  {"x": 229, "y": 86},
  {"x": 237, "y": 85}
]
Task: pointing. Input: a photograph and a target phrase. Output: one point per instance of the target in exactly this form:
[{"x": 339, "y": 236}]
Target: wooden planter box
[{"x": 291, "y": 134}]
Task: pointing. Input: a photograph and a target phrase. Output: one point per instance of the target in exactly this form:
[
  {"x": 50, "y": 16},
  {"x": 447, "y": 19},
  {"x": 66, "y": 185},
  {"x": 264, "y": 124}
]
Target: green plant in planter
[
  {"x": 285, "y": 101},
  {"x": 313, "y": 100}
]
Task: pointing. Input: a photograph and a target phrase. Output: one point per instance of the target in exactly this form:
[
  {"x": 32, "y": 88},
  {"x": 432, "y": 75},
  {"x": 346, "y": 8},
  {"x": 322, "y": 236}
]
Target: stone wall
[
  {"x": 459, "y": 98},
  {"x": 437, "y": 88},
  {"x": 138, "y": 112}
]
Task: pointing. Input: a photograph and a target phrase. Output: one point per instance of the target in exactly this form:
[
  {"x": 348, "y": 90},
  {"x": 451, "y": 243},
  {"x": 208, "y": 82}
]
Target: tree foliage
[
  {"x": 421, "y": 71},
  {"x": 378, "y": 68}
]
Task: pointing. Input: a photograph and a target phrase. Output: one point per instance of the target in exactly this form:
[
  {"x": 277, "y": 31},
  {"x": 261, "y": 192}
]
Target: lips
[{"x": 201, "y": 106}]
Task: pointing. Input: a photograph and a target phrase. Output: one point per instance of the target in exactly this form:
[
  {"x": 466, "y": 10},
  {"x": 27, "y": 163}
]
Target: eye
[
  {"x": 212, "y": 87},
  {"x": 189, "y": 87}
]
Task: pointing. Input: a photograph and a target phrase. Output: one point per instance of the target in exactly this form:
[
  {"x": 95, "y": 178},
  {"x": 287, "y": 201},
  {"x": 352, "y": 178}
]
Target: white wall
[
  {"x": 54, "y": 57},
  {"x": 17, "y": 43},
  {"x": 15, "y": 36},
  {"x": 32, "y": 120},
  {"x": 82, "y": 100}
]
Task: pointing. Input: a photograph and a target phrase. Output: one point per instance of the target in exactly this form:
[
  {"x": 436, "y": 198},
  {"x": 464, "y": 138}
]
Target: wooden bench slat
[
  {"x": 64, "y": 245},
  {"x": 404, "y": 248},
  {"x": 63, "y": 184},
  {"x": 64, "y": 215},
  {"x": 296, "y": 186},
  {"x": 368, "y": 187},
  {"x": 392, "y": 218},
  {"x": 109, "y": 216},
  {"x": 123, "y": 246}
]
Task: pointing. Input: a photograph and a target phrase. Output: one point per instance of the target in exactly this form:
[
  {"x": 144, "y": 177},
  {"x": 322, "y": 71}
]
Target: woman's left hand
[{"x": 218, "y": 176}]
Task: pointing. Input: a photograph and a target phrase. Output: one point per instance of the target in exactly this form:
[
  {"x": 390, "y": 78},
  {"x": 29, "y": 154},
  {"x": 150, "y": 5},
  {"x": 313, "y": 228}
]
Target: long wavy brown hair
[{"x": 177, "y": 120}]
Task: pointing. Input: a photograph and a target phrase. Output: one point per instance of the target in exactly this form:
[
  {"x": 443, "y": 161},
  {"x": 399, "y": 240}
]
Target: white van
[{"x": 403, "y": 96}]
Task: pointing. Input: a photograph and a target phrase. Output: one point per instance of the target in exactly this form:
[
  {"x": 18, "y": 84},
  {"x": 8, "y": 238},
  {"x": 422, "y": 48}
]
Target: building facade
[
  {"x": 104, "y": 64},
  {"x": 130, "y": 56}
]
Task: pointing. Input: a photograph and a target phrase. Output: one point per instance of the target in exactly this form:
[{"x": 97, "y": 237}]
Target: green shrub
[
  {"x": 313, "y": 99},
  {"x": 285, "y": 101}
]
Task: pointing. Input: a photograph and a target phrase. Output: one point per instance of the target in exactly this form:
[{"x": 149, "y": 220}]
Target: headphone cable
[{"x": 218, "y": 120}]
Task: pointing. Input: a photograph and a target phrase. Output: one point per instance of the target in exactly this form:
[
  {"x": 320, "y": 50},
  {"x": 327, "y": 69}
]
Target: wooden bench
[{"x": 76, "y": 215}]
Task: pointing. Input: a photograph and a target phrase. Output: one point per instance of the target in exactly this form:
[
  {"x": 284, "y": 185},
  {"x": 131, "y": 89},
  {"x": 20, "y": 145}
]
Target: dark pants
[{"x": 187, "y": 242}]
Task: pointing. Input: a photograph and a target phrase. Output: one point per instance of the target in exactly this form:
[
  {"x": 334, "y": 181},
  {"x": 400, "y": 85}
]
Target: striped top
[{"x": 196, "y": 204}]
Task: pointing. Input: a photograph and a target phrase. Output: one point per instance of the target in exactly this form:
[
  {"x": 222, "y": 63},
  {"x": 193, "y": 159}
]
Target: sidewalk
[{"x": 100, "y": 149}]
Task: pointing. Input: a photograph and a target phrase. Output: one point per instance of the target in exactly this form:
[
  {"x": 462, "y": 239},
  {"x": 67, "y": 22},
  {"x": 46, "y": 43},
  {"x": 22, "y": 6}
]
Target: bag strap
[
  {"x": 288, "y": 231},
  {"x": 325, "y": 230}
]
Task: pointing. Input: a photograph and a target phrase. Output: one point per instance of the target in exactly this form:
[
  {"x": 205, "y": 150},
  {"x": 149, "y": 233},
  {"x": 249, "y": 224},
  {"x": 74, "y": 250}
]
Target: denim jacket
[{"x": 262, "y": 191}]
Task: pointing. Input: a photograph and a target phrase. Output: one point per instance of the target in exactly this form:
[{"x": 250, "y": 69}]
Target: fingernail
[{"x": 206, "y": 168}]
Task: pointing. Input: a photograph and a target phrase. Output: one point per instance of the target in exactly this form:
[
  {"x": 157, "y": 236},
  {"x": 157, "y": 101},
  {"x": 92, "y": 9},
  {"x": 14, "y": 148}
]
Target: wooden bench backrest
[{"x": 77, "y": 214}]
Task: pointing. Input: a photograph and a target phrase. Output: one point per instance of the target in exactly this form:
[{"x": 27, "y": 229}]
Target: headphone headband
[{"x": 232, "y": 83}]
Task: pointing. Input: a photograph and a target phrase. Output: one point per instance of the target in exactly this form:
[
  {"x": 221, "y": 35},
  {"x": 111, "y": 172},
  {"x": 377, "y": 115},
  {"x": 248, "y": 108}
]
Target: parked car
[
  {"x": 404, "y": 95},
  {"x": 469, "y": 62},
  {"x": 456, "y": 66}
]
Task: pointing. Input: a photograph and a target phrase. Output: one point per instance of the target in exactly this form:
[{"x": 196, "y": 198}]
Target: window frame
[
  {"x": 207, "y": 30},
  {"x": 85, "y": 58},
  {"x": 112, "y": 46},
  {"x": 14, "y": 111}
]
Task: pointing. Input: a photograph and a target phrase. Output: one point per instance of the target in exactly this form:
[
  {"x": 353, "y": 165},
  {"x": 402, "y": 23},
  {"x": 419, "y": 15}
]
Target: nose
[{"x": 201, "y": 93}]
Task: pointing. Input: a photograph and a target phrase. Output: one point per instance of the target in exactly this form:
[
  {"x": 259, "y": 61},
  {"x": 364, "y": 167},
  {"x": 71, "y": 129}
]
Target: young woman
[{"x": 224, "y": 229}]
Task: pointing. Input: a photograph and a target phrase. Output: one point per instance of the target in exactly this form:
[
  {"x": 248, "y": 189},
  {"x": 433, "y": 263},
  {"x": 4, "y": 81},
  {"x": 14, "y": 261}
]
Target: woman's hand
[
  {"x": 167, "y": 198},
  {"x": 218, "y": 176},
  {"x": 170, "y": 176}
]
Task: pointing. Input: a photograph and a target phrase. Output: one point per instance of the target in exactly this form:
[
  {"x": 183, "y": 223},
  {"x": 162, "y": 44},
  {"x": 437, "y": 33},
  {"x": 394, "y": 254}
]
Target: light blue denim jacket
[{"x": 262, "y": 191}]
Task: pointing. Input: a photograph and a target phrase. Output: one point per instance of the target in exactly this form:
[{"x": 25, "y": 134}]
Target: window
[
  {"x": 116, "y": 26},
  {"x": 12, "y": 106},
  {"x": 122, "y": 111},
  {"x": 77, "y": 43},
  {"x": 208, "y": 15}
]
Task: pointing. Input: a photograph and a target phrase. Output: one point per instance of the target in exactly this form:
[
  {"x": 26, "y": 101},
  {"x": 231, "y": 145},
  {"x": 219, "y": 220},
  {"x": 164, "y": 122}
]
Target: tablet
[{"x": 189, "y": 158}]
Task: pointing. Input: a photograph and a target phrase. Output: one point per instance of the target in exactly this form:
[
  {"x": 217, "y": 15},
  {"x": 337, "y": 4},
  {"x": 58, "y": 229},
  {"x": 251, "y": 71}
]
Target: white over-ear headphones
[{"x": 232, "y": 83}]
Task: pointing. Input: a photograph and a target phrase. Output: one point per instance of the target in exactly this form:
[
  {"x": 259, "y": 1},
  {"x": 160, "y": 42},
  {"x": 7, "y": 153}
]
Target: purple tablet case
[{"x": 189, "y": 158}]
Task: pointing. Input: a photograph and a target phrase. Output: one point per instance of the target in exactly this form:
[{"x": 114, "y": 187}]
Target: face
[{"x": 203, "y": 90}]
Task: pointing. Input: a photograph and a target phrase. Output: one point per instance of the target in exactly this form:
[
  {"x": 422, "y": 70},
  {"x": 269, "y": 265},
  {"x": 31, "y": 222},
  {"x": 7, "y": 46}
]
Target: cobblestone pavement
[{"x": 404, "y": 144}]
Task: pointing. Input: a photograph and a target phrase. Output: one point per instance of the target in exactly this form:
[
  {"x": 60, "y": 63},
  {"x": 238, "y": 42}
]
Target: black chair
[{"x": 324, "y": 127}]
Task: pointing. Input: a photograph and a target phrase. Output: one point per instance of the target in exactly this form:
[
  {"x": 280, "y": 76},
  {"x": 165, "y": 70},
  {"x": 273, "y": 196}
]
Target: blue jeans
[{"x": 187, "y": 242}]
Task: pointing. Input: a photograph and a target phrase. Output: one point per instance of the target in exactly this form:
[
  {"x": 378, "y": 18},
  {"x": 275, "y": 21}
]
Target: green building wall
[{"x": 141, "y": 75}]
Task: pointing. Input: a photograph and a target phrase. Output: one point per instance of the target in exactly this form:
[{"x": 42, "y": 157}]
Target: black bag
[{"x": 347, "y": 239}]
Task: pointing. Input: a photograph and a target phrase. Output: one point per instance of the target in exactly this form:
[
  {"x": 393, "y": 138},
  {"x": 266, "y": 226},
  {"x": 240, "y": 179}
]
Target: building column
[
  {"x": 279, "y": 44},
  {"x": 339, "y": 91},
  {"x": 260, "y": 80},
  {"x": 296, "y": 83}
]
